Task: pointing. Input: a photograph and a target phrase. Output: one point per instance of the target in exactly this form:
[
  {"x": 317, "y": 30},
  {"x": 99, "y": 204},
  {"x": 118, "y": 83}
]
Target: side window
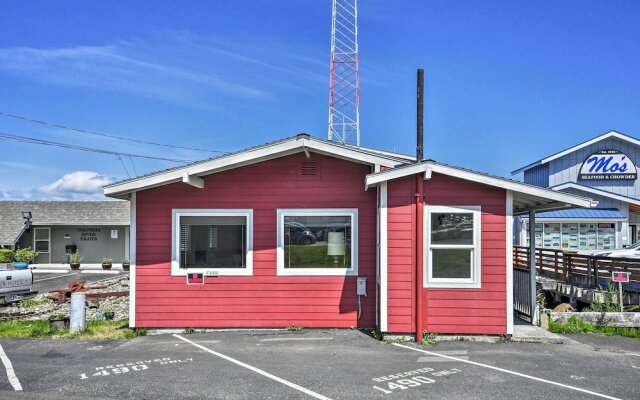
[
  {"x": 317, "y": 242},
  {"x": 212, "y": 240},
  {"x": 452, "y": 247}
]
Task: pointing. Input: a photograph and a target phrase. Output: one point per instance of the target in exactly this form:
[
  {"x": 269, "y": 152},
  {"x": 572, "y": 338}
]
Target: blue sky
[{"x": 507, "y": 82}]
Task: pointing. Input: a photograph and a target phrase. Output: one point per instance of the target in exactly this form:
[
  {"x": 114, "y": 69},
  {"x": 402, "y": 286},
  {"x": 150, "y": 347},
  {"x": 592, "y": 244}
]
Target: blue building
[{"x": 604, "y": 169}]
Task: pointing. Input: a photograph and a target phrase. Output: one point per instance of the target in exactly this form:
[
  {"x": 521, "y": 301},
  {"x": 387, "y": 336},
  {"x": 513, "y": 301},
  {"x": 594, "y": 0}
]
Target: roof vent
[{"x": 308, "y": 168}]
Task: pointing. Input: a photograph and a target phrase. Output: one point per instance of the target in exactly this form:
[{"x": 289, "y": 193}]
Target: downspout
[
  {"x": 419, "y": 203},
  {"x": 419, "y": 253}
]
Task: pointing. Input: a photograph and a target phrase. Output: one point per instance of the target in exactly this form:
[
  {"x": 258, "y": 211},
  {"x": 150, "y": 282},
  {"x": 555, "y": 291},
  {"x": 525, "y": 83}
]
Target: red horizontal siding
[
  {"x": 479, "y": 311},
  {"x": 264, "y": 299}
]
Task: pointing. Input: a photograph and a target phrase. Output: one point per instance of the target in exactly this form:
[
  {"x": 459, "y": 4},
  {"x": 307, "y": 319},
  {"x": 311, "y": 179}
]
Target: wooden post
[{"x": 532, "y": 266}]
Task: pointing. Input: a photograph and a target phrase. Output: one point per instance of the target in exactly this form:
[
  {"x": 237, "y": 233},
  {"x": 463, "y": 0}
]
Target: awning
[{"x": 582, "y": 214}]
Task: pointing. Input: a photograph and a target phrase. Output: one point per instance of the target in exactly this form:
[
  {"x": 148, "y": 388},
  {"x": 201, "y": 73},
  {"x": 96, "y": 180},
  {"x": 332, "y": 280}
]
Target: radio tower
[{"x": 344, "y": 96}]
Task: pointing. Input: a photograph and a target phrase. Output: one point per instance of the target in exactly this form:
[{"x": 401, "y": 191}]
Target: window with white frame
[
  {"x": 317, "y": 242},
  {"x": 452, "y": 246},
  {"x": 212, "y": 240}
]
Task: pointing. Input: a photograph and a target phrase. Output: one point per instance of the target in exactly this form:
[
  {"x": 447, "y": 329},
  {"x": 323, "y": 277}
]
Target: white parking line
[
  {"x": 53, "y": 277},
  {"x": 50, "y": 271},
  {"x": 257, "y": 370},
  {"x": 632, "y": 354},
  {"x": 295, "y": 339},
  {"x": 509, "y": 372},
  {"x": 13, "y": 379}
]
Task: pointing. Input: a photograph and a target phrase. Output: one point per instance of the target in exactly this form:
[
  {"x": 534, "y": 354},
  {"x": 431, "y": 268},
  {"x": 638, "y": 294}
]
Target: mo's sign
[{"x": 607, "y": 165}]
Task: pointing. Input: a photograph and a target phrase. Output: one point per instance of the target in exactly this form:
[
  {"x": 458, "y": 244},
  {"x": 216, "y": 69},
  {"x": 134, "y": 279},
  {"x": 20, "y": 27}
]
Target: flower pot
[
  {"x": 106, "y": 266},
  {"x": 74, "y": 265},
  {"x": 125, "y": 267},
  {"x": 20, "y": 265}
]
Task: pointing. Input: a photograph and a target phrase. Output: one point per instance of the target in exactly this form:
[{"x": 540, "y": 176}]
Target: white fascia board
[
  {"x": 578, "y": 147},
  {"x": 571, "y": 200},
  {"x": 518, "y": 187},
  {"x": 599, "y": 192},
  {"x": 293, "y": 146}
]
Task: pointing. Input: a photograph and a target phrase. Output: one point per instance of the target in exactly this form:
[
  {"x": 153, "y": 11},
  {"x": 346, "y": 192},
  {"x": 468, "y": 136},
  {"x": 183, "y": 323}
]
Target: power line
[
  {"x": 124, "y": 166},
  {"x": 133, "y": 166},
  {"x": 36, "y": 121},
  {"x": 26, "y": 139}
]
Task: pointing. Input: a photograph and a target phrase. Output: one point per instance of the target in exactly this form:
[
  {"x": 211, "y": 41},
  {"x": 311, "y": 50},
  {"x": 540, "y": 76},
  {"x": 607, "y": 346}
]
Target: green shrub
[
  {"x": 6, "y": 255},
  {"x": 25, "y": 254}
]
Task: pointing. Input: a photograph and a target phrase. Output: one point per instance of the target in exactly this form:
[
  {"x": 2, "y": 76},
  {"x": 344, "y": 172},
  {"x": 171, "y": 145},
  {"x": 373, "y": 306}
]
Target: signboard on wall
[
  {"x": 608, "y": 165},
  {"x": 195, "y": 278}
]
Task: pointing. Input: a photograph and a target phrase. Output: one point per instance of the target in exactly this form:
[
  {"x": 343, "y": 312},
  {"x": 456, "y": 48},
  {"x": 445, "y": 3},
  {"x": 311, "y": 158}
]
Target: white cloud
[
  {"x": 124, "y": 67},
  {"x": 78, "y": 184}
]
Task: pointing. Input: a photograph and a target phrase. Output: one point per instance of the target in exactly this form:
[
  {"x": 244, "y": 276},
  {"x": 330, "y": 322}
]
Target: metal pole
[
  {"x": 420, "y": 119},
  {"x": 620, "y": 291},
  {"x": 532, "y": 266}
]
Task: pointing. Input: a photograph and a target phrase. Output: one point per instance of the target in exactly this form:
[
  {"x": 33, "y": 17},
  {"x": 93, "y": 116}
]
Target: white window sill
[
  {"x": 316, "y": 272},
  {"x": 452, "y": 284},
  {"x": 177, "y": 271}
]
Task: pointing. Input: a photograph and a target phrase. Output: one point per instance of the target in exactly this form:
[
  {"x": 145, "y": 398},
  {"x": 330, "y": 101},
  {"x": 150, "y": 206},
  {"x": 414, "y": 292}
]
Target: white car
[{"x": 632, "y": 251}]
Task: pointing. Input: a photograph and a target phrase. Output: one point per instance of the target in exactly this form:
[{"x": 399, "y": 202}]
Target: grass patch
[
  {"x": 94, "y": 330},
  {"x": 575, "y": 325},
  {"x": 295, "y": 328},
  {"x": 33, "y": 303}
]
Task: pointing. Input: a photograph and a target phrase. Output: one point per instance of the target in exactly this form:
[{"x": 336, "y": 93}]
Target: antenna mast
[{"x": 344, "y": 91}]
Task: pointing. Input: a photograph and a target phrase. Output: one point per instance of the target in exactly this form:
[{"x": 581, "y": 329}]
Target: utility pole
[{"x": 344, "y": 91}]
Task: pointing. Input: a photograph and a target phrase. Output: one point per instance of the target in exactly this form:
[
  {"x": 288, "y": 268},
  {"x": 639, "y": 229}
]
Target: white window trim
[
  {"x": 302, "y": 212},
  {"x": 196, "y": 212},
  {"x": 471, "y": 283}
]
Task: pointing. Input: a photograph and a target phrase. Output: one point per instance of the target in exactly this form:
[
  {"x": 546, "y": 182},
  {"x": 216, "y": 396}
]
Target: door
[{"x": 42, "y": 244}]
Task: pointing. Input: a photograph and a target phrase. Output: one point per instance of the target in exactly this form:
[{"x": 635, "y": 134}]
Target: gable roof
[
  {"x": 46, "y": 213},
  {"x": 593, "y": 190},
  {"x": 529, "y": 197},
  {"x": 191, "y": 173},
  {"x": 604, "y": 136}
]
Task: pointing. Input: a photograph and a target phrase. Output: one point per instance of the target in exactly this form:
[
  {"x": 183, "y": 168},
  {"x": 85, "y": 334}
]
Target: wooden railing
[{"x": 570, "y": 267}]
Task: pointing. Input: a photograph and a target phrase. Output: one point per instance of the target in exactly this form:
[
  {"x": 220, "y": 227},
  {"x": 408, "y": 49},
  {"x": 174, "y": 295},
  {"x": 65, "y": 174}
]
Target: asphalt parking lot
[{"x": 333, "y": 364}]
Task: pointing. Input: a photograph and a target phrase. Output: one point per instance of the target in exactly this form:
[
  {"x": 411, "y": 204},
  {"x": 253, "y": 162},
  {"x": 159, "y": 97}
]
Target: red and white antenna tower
[{"x": 344, "y": 91}]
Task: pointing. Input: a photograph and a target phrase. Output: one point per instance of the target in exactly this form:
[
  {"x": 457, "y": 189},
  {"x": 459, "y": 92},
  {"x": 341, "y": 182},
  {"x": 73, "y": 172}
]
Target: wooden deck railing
[{"x": 570, "y": 267}]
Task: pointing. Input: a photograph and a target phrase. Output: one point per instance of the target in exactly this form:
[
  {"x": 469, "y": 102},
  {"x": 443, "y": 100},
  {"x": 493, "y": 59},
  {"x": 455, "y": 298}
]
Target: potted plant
[
  {"x": 125, "y": 264},
  {"x": 23, "y": 256},
  {"x": 106, "y": 263},
  {"x": 75, "y": 259}
]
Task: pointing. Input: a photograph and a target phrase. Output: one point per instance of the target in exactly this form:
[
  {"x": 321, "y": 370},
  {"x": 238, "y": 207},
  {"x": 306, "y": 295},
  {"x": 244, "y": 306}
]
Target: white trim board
[
  {"x": 599, "y": 192},
  {"x": 132, "y": 261},
  {"x": 384, "y": 260},
  {"x": 597, "y": 139},
  {"x": 429, "y": 167},
  {"x": 509, "y": 258}
]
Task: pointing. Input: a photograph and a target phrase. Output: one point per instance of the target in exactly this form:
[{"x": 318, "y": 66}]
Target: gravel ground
[{"x": 118, "y": 305}]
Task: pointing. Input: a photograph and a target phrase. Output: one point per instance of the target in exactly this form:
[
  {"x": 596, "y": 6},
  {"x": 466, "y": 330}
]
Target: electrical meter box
[{"x": 362, "y": 287}]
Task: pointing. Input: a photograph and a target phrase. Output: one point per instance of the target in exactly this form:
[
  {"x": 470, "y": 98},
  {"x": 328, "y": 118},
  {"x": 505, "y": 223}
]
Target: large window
[
  {"x": 219, "y": 241},
  {"x": 317, "y": 242},
  {"x": 574, "y": 236},
  {"x": 452, "y": 250}
]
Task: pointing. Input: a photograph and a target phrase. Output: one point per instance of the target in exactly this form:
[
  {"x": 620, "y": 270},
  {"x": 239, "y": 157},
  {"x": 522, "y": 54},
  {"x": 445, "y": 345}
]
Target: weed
[
  {"x": 428, "y": 338},
  {"x": 575, "y": 325},
  {"x": 94, "y": 330},
  {"x": 33, "y": 303},
  {"x": 610, "y": 300},
  {"x": 295, "y": 328},
  {"x": 376, "y": 334},
  {"x": 189, "y": 331}
]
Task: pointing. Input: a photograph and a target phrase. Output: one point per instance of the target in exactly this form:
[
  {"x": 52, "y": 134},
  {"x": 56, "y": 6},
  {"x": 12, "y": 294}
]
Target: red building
[{"x": 311, "y": 233}]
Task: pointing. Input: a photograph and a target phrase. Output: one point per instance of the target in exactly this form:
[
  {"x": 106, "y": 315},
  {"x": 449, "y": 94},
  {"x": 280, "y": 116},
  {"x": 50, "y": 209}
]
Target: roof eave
[{"x": 293, "y": 146}]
